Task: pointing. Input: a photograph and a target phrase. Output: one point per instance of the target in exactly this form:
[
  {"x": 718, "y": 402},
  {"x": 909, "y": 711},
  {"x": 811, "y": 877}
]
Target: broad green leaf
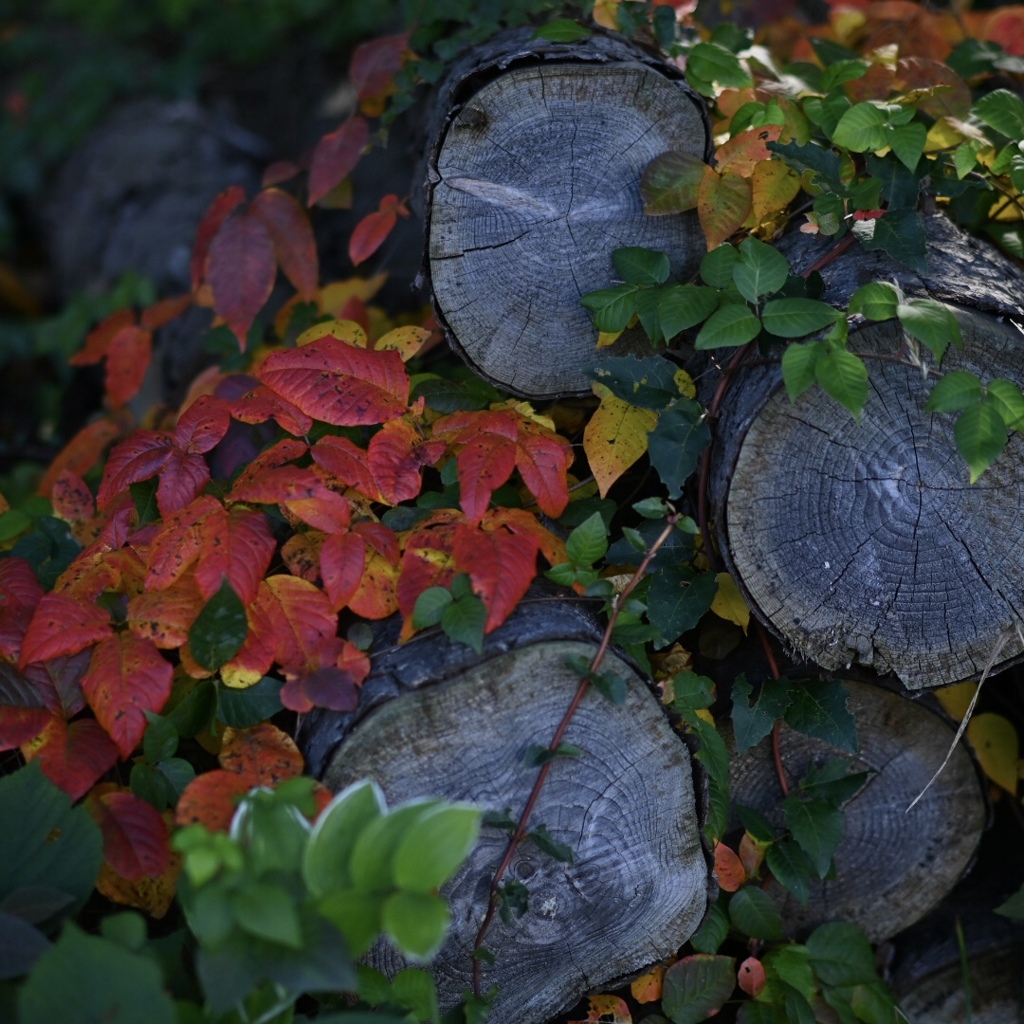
[
  {"x": 752, "y": 722},
  {"x": 796, "y": 318},
  {"x": 415, "y": 990},
  {"x": 325, "y": 864},
  {"x": 931, "y": 323},
  {"x": 791, "y": 867},
  {"x": 269, "y": 912},
  {"x": 692, "y": 692},
  {"x": 371, "y": 862},
  {"x": 356, "y": 913},
  {"x": 861, "y": 128},
  {"x": 417, "y": 922},
  {"x": 697, "y": 987},
  {"x": 716, "y": 266},
  {"x": 713, "y": 931},
  {"x": 435, "y": 845},
  {"x": 547, "y": 843},
  {"x": 21, "y": 945},
  {"x": 1004, "y": 111},
  {"x": 612, "y": 687},
  {"x": 649, "y": 383},
  {"x": 758, "y": 1012},
  {"x": 817, "y": 825},
  {"x": 811, "y": 157},
  {"x": 790, "y": 964},
  {"x": 760, "y": 270},
  {"x": 464, "y": 620},
  {"x": 670, "y": 181},
  {"x": 833, "y": 781},
  {"x": 430, "y": 607},
  {"x": 818, "y": 709},
  {"x": 840, "y": 954},
  {"x": 898, "y": 232},
  {"x": 1013, "y": 908},
  {"x": 713, "y": 753},
  {"x": 611, "y": 308},
  {"x": 732, "y": 324},
  {"x": 220, "y": 628},
  {"x": 1008, "y": 400},
  {"x": 636, "y": 265},
  {"x": 678, "y": 599},
  {"x": 798, "y": 367},
  {"x": 676, "y": 444},
  {"x": 588, "y": 543},
  {"x": 876, "y": 301},
  {"x": 563, "y": 30},
  {"x": 842, "y": 71},
  {"x": 649, "y": 314},
  {"x": 712, "y": 64},
  {"x": 907, "y": 143},
  {"x": 85, "y": 978},
  {"x": 681, "y": 306},
  {"x": 980, "y": 436},
  {"x": 958, "y": 389},
  {"x": 753, "y": 912},
  {"x": 845, "y": 377},
  {"x": 242, "y": 708}
]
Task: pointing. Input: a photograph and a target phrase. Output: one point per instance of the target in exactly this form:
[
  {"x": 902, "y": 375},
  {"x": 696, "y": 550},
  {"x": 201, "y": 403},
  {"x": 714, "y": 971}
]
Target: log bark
[
  {"x": 532, "y": 182},
  {"x": 864, "y": 543},
  {"x": 441, "y": 721},
  {"x": 892, "y": 865}
]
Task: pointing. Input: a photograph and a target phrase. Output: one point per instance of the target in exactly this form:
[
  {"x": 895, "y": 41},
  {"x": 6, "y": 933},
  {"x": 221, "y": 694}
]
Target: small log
[
  {"x": 532, "y": 182},
  {"x": 892, "y": 865},
  {"x": 864, "y": 543},
  {"x": 443, "y": 722}
]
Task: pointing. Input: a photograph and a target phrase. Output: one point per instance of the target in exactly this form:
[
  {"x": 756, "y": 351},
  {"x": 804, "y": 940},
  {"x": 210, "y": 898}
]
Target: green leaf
[
  {"x": 678, "y": 598},
  {"x": 932, "y": 323},
  {"x": 464, "y": 620},
  {"x": 269, "y": 912},
  {"x": 636, "y": 265},
  {"x": 958, "y": 389},
  {"x": 840, "y": 954},
  {"x": 220, "y": 628},
  {"x": 681, "y": 306},
  {"x": 796, "y": 318},
  {"x": 697, "y": 987},
  {"x": 670, "y": 181},
  {"x": 648, "y": 383},
  {"x": 818, "y": 709},
  {"x": 790, "y": 964},
  {"x": 730, "y": 325},
  {"x": 563, "y": 30},
  {"x": 1008, "y": 400},
  {"x": 713, "y": 931},
  {"x": 588, "y": 543},
  {"x": 326, "y": 858},
  {"x": 900, "y": 233},
  {"x": 676, "y": 444},
  {"x": 612, "y": 687},
  {"x": 980, "y": 436},
  {"x": 650, "y": 316},
  {"x": 21, "y": 945},
  {"x": 817, "y": 825},
  {"x": 417, "y": 922},
  {"x": 545, "y": 842},
  {"x": 1013, "y": 908},
  {"x": 861, "y": 128},
  {"x": 753, "y": 912},
  {"x": 713, "y": 753},
  {"x": 907, "y": 143},
  {"x": 373, "y": 853},
  {"x": 844, "y": 376},
  {"x": 12, "y": 523},
  {"x": 760, "y": 270},
  {"x": 85, "y": 978},
  {"x": 691, "y": 693},
  {"x": 160, "y": 739},
  {"x": 356, "y": 914},
  {"x": 611, "y": 308},
  {"x": 1004, "y": 111},
  {"x": 752, "y": 722},
  {"x": 711, "y": 64},
  {"x": 241, "y": 708},
  {"x": 798, "y": 367},
  {"x": 430, "y": 607},
  {"x": 811, "y": 157},
  {"x": 876, "y": 301},
  {"x": 791, "y": 867},
  {"x": 716, "y": 266},
  {"x": 833, "y": 781},
  {"x": 435, "y": 845}
]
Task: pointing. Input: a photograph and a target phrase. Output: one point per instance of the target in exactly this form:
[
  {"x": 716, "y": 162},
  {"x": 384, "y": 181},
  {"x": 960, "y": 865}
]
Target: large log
[
  {"x": 435, "y": 719},
  {"x": 893, "y": 864},
  {"x": 532, "y": 181},
  {"x": 864, "y": 542}
]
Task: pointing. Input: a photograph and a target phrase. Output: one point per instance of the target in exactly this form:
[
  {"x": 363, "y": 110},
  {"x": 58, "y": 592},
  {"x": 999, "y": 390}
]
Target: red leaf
[
  {"x": 136, "y": 842},
  {"x": 237, "y": 545},
  {"x": 370, "y": 234},
  {"x": 97, "y": 341},
  {"x": 375, "y": 63},
  {"x": 279, "y": 171},
  {"x": 210, "y": 799},
  {"x": 127, "y": 363},
  {"x": 346, "y": 462},
  {"x": 82, "y": 452},
  {"x": 728, "y": 868},
  {"x": 141, "y": 457},
  {"x": 285, "y": 450},
  {"x": 203, "y": 424},
  {"x": 342, "y": 561},
  {"x": 164, "y": 617},
  {"x": 380, "y": 537},
  {"x": 21, "y": 725},
  {"x": 302, "y": 492},
  {"x": 263, "y": 752},
  {"x": 301, "y": 620},
  {"x": 396, "y": 455},
  {"x": 339, "y": 383},
  {"x": 177, "y": 543},
  {"x": 750, "y": 977},
  {"x": 163, "y": 311},
  {"x": 500, "y": 565},
  {"x": 216, "y": 213},
  {"x": 262, "y": 404},
  {"x": 292, "y": 235},
  {"x": 335, "y": 156},
  {"x": 427, "y": 561},
  {"x": 182, "y": 481},
  {"x": 376, "y": 597},
  {"x": 62, "y": 625},
  {"x": 328, "y": 687},
  {"x": 241, "y": 269},
  {"x": 520, "y": 522},
  {"x": 542, "y": 461},
  {"x": 73, "y": 755},
  {"x": 20, "y": 593},
  {"x": 72, "y": 500},
  {"x": 127, "y": 677},
  {"x": 484, "y": 465}
]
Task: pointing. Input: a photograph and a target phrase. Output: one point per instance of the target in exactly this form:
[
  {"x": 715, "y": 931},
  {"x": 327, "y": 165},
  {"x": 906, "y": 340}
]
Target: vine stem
[{"x": 595, "y": 663}]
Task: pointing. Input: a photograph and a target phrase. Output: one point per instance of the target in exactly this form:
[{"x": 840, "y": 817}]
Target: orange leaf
[
  {"x": 216, "y": 213},
  {"x": 743, "y": 152},
  {"x": 164, "y": 617},
  {"x": 647, "y": 988},
  {"x": 81, "y": 453},
  {"x": 751, "y": 854},
  {"x": 335, "y": 156},
  {"x": 136, "y": 842},
  {"x": 264, "y": 752},
  {"x": 606, "y": 1010},
  {"x": 750, "y": 977},
  {"x": 127, "y": 363},
  {"x": 301, "y": 553},
  {"x": 240, "y": 270},
  {"x": 302, "y": 621},
  {"x": 163, "y": 311},
  {"x": 292, "y": 235},
  {"x": 728, "y": 868},
  {"x": 542, "y": 461},
  {"x": 339, "y": 383},
  {"x": 723, "y": 203},
  {"x": 154, "y": 895},
  {"x": 62, "y": 625},
  {"x": 302, "y": 492},
  {"x": 177, "y": 543},
  {"x": 97, "y": 341},
  {"x": 73, "y": 755},
  {"x": 126, "y": 678},
  {"x": 519, "y": 521},
  {"x": 370, "y": 233},
  {"x": 376, "y": 596},
  {"x": 210, "y": 799},
  {"x": 283, "y": 451},
  {"x": 500, "y": 565}
]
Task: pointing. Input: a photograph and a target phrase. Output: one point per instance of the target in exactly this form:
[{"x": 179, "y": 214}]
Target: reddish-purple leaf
[
  {"x": 20, "y": 725},
  {"x": 292, "y": 235},
  {"x": 181, "y": 481},
  {"x": 140, "y": 457},
  {"x": 202, "y": 425},
  {"x": 177, "y": 543},
  {"x": 216, "y": 213},
  {"x": 20, "y": 592},
  {"x": 335, "y": 156},
  {"x": 262, "y": 404},
  {"x": 343, "y": 460},
  {"x": 241, "y": 269},
  {"x": 73, "y": 755},
  {"x": 97, "y": 341},
  {"x": 327, "y": 687},
  {"x": 375, "y": 63},
  {"x": 136, "y": 842},
  {"x": 395, "y": 459},
  {"x": 62, "y": 625},
  {"x": 58, "y": 682},
  {"x": 542, "y": 461}
]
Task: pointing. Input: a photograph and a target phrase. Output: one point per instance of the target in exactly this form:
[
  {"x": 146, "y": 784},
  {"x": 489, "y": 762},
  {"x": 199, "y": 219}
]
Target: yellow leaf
[
  {"x": 723, "y": 204},
  {"x": 956, "y": 699},
  {"x": 729, "y": 603},
  {"x": 606, "y": 14},
  {"x": 647, "y": 988},
  {"x": 607, "y": 1010},
  {"x": 606, "y": 338},
  {"x": 684, "y": 382},
  {"x": 774, "y": 186},
  {"x": 995, "y": 742},
  {"x": 615, "y": 437},
  {"x": 334, "y": 296},
  {"x": 705, "y": 716},
  {"x": 406, "y": 341},
  {"x": 344, "y": 330}
]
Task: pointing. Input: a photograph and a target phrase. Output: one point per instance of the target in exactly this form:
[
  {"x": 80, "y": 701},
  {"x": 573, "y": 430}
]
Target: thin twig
[{"x": 773, "y": 667}]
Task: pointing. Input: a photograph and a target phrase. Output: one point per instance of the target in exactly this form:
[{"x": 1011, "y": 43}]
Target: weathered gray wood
[
  {"x": 892, "y": 865},
  {"x": 630, "y": 808},
  {"x": 865, "y": 543},
  {"x": 532, "y": 184}
]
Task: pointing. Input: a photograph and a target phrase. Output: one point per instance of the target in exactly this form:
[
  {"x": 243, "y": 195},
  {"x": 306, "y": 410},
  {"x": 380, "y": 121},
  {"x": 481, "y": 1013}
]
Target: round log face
[
  {"x": 865, "y": 542},
  {"x": 627, "y": 809},
  {"x": 538, "y": 183},
  {"x": 892, "y": 865}
]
